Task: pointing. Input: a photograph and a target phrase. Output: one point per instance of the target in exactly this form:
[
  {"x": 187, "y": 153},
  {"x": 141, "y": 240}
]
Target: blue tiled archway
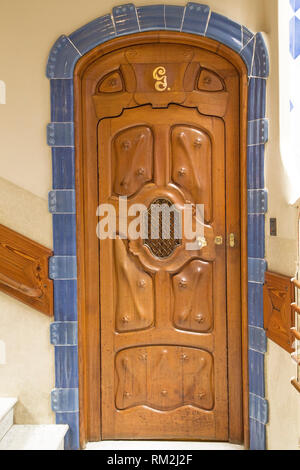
[{"x": 127, "y": 19}]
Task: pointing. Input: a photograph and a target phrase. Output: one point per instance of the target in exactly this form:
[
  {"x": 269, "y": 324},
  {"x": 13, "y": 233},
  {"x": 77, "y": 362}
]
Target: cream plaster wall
[{"x": 27, "y": 31}]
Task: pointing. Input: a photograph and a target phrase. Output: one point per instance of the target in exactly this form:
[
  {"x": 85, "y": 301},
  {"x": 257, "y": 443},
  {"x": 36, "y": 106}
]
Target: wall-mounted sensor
[
  {"x": 2, "y": 92},
  {"x": 273, "y": 227}
]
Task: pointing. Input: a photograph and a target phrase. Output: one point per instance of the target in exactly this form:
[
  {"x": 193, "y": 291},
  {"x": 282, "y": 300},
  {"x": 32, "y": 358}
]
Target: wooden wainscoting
[{"x": 24, "y": 270}]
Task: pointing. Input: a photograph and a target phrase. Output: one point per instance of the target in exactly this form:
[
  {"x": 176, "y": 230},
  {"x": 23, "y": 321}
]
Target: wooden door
[{"x": 163, "y": 120}]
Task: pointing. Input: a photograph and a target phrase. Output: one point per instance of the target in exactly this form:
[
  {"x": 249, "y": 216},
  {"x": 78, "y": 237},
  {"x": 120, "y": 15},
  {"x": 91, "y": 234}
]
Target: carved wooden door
[{"x": 162, "y": 137}]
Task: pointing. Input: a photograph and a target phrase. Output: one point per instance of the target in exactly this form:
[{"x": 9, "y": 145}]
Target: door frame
[
  {"x": 201, "y": 22},
  {"x": 89, "y": 320}
]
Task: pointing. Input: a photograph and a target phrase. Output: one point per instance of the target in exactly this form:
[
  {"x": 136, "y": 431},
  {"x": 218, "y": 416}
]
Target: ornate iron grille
[{"x": 163, "y": 228}]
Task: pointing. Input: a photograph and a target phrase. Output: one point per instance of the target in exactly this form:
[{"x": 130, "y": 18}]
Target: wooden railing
[
  {"x": 24, "y": 270},
  {"x": 296, "y": 335}
]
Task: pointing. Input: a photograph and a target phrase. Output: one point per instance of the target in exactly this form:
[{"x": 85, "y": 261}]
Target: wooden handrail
[
  {"x": 296, "y": 283},
  {"x": 295, "y": 308},
  {"x": 24, "y": 270},
  {"x": 296, "y": 384},
  {"x": 295, "y": 333}
]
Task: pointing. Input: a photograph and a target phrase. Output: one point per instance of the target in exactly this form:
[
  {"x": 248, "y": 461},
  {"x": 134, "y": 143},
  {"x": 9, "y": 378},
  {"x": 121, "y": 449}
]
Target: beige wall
[{"x": 27, "y": 31}]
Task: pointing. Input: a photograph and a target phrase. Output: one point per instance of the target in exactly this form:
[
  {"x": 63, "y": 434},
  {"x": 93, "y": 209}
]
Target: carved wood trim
[
  {"x": 279, "y": 294},
  {"x": 24, "y": 270}
]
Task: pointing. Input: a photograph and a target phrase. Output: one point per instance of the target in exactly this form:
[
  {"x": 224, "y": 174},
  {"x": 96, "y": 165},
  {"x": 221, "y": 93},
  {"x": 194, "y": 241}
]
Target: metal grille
[{"x": 163, "y": 228}]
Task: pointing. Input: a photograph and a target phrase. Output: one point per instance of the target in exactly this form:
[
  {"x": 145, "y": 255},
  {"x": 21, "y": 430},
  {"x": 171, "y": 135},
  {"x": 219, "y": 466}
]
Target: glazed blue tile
[
  {"x": 66, "y": 367},
  {"x": 63, "y": 168},
  {"x": 256, "y": 373},
  {"x": 65, "y": 300},
  {"x": 295, "y": 37},
  {"x": 257, "y": 201},
  {"x": 195, "y": 18},
  {"x": 72, "y": 436},
  {"x": 255, "y": 305},
  {"x": 255, "y": 166},
  {"x": 256, "y": 98},
  {"x": 261, "y": 65},
  {"x": 62, "y": 100},
  {"x": 257, "y": 340},
  {"x": 256, "y": 235},
  {"x": 151, "y": 17},
  {"x": 64, "y": 400},
  {"x": 63, "y": 333},
  {"x": 256, "y": 270},
  {"x": 63, "y": 267},
  {"x": 62, "y": 201},
  {"x": 295, "y": 4},
  {"x": 94, "y": 33},
  {"x": 258, "y": 131},
  {"x": 225, "y": 31},
  {"x": 247, "y": 35},
  {"x": 125, "y": 18},
  {"x": 62, "y": 59},
  {"x": 60, "y": 134},
  {"x": 64, "y": 234},
  {"x": 258, "y": 408},
  {"x": 173, "y": 17},
  {"x": 257, "y": 435},
  {"x": 247, "y": 55}
]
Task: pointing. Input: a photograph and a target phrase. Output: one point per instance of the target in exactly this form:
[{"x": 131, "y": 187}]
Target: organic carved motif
[
  {"x": 192, "y": 288},
  {"x": 134, "y": 292},
  {"x": 132, "y": 162},
  {"x": 191, "y": 165},
  {"x": 164, "y": 378}
]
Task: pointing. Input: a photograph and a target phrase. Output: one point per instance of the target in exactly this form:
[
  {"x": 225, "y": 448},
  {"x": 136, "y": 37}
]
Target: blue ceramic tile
[
  {"x": 247, "y": 35},
  {"x": 261, "y": 58},
  {"x": 62, "y": 100},
  {"x": 257, "y": 201},
  {"x": 151, "y": 17},
  {"x": 64, "y": 400},
  {"x": 258, "y": 408},
  {"x": 255, "y": 166},
  {"x": 173, "y": 17},
  {"x": 63, "y": 167},
  {"x": 62, "y": 59},
  {"x": 256, "y": 373},
  {"x": 225, "y": 31},
  {"x": 62, "y": 201},
  {"x": 295, "y": 4},
  {"x": 63, "y": 333},
  {"x": 72, "y": 436},
  {"x": 257, "y": 340},
  {"x": 256, "y": 270},
  {"x": 94, "y": 33},
  {"x": 295, "y": 37},
  {"x": 247, "y": 55},
  {"x": 195, "y": 18},
  {"x": 64, "y": 234},
  {"x": 63, "y": 267},
  {"x": 257, "y": 435},
  {"x": 60, "y": 134},
  {"x": 66, "y": 367},
  {"x": 256, "y": 236},
  {"x": 125, "y": 19},
  {"x": 258, "y": 131},
  {"x": 256, "y": 99},
  {"x": 65, "y": 300},
  {"x": 255, "y": 305}
]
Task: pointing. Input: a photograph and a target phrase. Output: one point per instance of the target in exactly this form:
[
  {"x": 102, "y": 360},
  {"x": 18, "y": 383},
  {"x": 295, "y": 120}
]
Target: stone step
[
  {"x": 7, "y": 405},
  {"x": 35, "y": 437}
]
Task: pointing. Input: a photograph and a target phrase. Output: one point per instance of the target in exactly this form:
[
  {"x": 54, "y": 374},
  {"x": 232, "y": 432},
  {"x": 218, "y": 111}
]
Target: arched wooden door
[{"x": 158, "y": 120}]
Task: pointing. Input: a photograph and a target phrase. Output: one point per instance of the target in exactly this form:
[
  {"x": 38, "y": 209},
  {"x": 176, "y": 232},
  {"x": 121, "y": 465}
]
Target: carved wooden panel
[
  {"x": 132, "y": 160},
  {"x": 111, "y": 83},
  {"x": 209, "y": 81},
  {"x": 164, "y": 378},
  {"x": 191, "y": 165},
  {"x": 134, "y": 292},
  {"x": 24, "y": 270},
  {"x": 193, "y": 301},
  {"x": 278, "y": 316}
]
